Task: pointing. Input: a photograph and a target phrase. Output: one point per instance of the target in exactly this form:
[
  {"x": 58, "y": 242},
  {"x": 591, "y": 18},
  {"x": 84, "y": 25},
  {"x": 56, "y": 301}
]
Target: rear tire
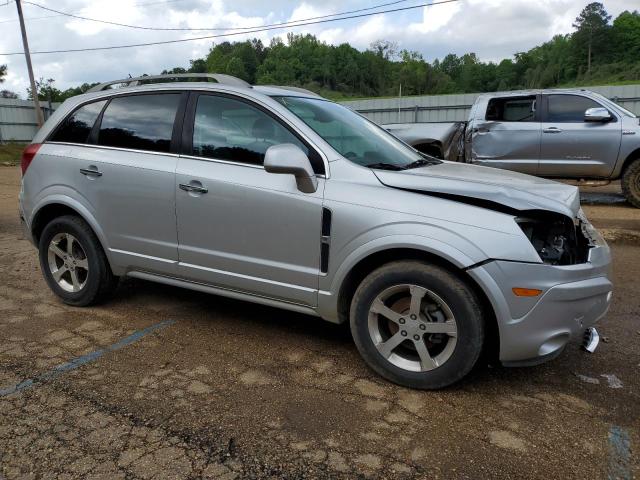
[
  {"x": 417, "y": 325},
  {"x": 73, "y": 262},
  {"x": 631, "y": 183}
]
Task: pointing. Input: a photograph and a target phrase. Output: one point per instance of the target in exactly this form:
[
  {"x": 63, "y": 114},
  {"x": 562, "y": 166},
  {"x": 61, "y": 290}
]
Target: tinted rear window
[
  {"x": 77, "y": 127},
  {"x": 140, "y": 122},
  {"x": 569, "y": 108}
]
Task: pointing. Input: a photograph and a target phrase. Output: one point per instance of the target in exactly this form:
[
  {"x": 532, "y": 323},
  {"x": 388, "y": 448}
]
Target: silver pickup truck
[{"x": 571, "y": 134}]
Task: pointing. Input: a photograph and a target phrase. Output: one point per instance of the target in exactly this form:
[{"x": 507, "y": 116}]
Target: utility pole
[{"x": 27, "y": 56}]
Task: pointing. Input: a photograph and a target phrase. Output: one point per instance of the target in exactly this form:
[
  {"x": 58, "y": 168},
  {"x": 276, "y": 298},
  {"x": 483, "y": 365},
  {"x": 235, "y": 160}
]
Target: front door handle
[
  {"x": 552, "y": 130},
  {"x": 193, "y": 188},
  {"x": 92, "y": 171}
]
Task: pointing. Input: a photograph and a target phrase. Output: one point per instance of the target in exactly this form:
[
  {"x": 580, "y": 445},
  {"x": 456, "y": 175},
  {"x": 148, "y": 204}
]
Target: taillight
[{"x": 27, "y": 156}]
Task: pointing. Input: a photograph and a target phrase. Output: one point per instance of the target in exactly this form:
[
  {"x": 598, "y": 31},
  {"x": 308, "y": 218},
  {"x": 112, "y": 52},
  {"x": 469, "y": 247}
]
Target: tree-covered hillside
[{"x": 599, "y": 51}]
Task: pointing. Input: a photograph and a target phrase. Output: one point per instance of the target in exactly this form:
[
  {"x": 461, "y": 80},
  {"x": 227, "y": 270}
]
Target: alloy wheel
[
  {"x": 68, "y": 262},
  {"x": 412, "y": 327}
]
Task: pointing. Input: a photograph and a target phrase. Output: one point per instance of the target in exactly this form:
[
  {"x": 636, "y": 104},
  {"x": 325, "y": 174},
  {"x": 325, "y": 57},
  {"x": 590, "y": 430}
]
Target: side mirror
[
  {"x": 288, "y": 158},
  {"x": 597, "y": 114}
]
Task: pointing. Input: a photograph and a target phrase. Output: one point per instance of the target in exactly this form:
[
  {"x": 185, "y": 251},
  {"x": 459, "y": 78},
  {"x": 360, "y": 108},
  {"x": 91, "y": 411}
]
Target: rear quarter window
[
  {"x": 77, "y": 126},
  {"x": 512, "y": 109},
  {"x": 140, "y": 122}
]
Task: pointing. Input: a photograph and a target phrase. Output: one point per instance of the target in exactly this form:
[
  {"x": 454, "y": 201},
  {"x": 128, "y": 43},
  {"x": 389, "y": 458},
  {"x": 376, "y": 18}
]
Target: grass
[{"x": 10, "y": 153}]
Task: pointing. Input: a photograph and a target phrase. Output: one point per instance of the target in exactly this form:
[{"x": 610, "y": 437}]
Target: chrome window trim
[
  {"x": 231, "y": 162},
  {"x": 120, "y": 149},
  {"x": 169, "y": 154}
]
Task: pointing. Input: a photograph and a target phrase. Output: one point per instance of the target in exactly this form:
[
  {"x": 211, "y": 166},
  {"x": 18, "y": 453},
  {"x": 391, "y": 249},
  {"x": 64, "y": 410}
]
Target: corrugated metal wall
[
  {"x": 452, "y": 108},
  {"x": 18, "y": 120}
]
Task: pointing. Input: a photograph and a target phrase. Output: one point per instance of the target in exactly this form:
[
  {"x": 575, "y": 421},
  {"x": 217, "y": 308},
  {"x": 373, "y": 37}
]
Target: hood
[{"x": 510, "y": 189}]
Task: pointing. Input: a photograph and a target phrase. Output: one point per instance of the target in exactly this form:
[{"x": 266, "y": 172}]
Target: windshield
[{"x": 352, "y": 135}]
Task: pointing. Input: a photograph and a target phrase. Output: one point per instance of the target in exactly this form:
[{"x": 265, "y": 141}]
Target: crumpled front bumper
[{"x": 535, "y": 329}]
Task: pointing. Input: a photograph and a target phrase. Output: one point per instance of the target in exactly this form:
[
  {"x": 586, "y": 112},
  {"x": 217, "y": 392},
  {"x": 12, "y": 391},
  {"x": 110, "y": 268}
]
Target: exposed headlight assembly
[{"x": 556, "y": 238}]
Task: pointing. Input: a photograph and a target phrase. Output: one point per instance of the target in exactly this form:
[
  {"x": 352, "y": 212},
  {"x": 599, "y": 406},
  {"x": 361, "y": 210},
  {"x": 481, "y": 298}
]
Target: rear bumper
[
  {"x": 535, "y": 329},
  {"x": 26, "y": 232}
]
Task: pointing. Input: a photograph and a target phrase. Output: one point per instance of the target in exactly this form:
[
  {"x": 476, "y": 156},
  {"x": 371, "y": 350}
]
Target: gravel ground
[{"x": 226, "y": 389}]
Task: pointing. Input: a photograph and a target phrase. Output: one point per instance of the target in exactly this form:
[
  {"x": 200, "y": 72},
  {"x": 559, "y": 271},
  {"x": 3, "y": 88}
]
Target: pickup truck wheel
[
  {"x": 417, "y": 324},
  {"x": 631, "y": 183},
  {"x": 73, "y": 262}
]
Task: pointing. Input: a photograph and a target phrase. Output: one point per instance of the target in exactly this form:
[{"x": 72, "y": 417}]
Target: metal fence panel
[
  {"x": 454, "y": 108},
  {"x": 18, "y": 120}
]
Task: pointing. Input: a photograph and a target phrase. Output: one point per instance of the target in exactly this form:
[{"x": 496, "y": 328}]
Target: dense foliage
[{"x": 597, "y": 52}]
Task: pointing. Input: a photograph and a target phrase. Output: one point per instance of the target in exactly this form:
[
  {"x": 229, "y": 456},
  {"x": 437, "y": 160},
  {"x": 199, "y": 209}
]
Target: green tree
[
  {"x": 174, "y": 70},
  {"x": 626, "y": 37},
  {"x": 596, "y": 52},
  {"x": 46, "y": 91},
  {"x": 8, "y": 94},
  {"x": 591, "y": 28},
  {"x": 199, "y": 65}
]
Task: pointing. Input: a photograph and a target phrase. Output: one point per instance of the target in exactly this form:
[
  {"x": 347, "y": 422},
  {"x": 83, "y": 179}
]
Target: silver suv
[{"x": 277, "y": 196}]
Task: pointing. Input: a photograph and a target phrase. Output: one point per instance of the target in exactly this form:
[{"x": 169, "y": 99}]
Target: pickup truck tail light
[{"x": 27, "y": 156}]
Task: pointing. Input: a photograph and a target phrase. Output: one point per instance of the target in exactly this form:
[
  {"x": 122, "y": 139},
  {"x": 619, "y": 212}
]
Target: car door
[
  {"x": 240, "y": 227},
  {"x": 128, "y": 175},
  {"x": 572, "y": 147},
  {"x": 508, "y": 134}
]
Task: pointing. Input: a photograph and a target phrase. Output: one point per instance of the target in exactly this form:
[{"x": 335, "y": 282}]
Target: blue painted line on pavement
[
  {"x": 619, "y": 454},
  {"x": 79, "y": 361}
]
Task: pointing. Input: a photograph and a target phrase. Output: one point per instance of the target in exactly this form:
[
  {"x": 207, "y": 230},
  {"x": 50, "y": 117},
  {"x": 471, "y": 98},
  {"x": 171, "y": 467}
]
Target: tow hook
[{"x": 590, "y": 339}]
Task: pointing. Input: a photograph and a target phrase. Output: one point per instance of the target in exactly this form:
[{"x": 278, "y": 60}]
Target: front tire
[
  {"x": 73, "y": 262},
  {"x": 631, "y": 183},
  {"x": 417, "y": 325}
]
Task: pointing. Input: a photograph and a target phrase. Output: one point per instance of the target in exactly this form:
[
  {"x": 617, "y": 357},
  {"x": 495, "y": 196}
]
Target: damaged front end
[{"x": 557, "y": 239}]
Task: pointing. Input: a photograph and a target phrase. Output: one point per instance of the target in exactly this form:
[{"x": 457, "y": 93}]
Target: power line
[
  {"x": 207, "y": 37},
  {"x": 64, "y": 14},
  {"x": 185, "y": 29}
]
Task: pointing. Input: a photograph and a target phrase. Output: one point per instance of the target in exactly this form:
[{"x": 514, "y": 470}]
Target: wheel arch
[
  {"x": 634, "y": 155},
  {"x": 60, "y": 206},
  {"x": 377, "y": 259}
]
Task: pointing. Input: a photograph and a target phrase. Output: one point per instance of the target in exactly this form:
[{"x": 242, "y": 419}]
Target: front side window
[
  {"x": 569, "y": 108},
  {"x": 230, "y": 129},
  {"x": 77, "y": 127},
  {"x": 140, "y": 122},
  {"x": 351, "y": 135},
  {"x": 519, "y": 109}
]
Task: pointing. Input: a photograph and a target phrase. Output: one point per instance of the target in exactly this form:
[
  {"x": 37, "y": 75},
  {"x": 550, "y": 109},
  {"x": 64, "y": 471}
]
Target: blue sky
[{"x": 493, "y": 29}]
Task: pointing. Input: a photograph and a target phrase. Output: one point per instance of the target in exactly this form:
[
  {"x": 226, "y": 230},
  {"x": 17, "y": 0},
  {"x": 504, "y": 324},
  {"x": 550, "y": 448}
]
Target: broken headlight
[{"x": 557, "y": 239}]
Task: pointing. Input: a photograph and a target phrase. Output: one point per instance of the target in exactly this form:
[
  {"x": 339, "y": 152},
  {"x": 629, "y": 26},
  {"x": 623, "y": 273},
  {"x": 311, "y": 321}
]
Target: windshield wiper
[
  {"x": 385, "y": 166},
  {"x": 423, "y": 162}
]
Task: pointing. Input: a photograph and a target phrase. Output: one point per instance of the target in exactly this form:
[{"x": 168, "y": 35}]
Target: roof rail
[
  {"x": 295, "y": 89},
  {"x": 132, "y": 82}
]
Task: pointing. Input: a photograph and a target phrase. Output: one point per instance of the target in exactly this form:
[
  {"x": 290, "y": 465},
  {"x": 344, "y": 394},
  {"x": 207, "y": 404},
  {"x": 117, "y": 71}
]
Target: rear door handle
[
  {"x": 193, "y": 188},
  {"x": 91, "y": 172},
  {"x": 552, "y": 130}
]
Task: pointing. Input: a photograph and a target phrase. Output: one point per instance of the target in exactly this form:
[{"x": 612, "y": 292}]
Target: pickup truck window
[
  {"x": 512, "y": 109},
  {"x": 569, "y": 108}
]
